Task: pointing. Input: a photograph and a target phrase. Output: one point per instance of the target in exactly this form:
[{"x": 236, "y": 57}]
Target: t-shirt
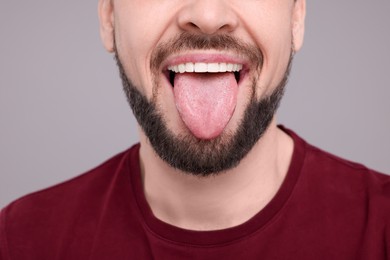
[{"x": 326, "y": 208}]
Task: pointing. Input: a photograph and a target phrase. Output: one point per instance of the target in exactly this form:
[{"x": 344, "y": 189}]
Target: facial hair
[{"x": 184, "y": 151}]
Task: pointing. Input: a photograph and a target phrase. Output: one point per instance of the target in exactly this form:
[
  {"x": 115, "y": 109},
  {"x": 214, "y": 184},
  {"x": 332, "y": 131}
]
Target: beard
[{"x": 184, "y": 151}]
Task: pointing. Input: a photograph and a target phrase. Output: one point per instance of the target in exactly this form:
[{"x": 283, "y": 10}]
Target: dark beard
[{"x": 203, "y": 157}]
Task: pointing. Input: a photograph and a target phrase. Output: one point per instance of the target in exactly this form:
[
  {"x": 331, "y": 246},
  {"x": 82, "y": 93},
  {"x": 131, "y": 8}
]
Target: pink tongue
[{"x": 205, "y": 101}]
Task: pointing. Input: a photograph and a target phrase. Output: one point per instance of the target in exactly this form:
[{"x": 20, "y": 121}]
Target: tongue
[{"x": 205, "y": 101}]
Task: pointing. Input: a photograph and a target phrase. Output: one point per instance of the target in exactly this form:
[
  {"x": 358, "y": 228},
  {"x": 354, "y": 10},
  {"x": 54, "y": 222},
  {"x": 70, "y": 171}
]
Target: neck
[{"x": 221, "y": 201}]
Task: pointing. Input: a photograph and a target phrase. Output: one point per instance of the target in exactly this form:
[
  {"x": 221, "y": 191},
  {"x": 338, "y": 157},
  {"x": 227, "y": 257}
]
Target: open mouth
[
  {"x": 201, "y": 67},
  {"x": 205, "y": 93}
]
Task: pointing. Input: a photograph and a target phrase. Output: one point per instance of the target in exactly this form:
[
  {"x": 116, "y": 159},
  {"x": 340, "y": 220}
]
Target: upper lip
[
  {"x": 204, "y": 58},
  {"x": 241, "y": 64}
]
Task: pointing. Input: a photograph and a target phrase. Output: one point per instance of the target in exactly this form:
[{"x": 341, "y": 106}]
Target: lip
[{"x": 205, "y": 57}]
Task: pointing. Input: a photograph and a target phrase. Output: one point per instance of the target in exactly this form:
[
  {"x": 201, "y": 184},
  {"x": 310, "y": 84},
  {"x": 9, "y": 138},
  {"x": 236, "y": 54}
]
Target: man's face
[{"x": 251, "y": 42}]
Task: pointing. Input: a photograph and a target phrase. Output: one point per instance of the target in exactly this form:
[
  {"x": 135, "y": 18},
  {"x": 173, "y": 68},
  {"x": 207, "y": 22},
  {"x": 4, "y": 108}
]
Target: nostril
[{"x": 192, "y": 25}]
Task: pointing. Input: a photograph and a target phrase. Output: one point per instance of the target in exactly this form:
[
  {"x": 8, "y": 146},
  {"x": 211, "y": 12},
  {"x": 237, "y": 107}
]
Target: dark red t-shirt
[{"x": 327, "y": 208}]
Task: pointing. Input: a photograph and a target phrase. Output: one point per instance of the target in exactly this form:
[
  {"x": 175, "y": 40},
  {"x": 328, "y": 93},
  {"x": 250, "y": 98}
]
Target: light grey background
[{"x": 63, "y": 112}]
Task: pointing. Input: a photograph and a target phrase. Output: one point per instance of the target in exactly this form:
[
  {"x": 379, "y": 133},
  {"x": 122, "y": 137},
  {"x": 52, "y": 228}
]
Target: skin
[{"x": 136, "y": 27}]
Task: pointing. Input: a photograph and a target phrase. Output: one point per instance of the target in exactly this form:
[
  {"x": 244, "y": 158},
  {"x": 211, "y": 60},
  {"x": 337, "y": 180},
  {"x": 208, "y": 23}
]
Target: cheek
[
  {"x": 138, "y": 31},
  {"x": 131, "y": 58},
  {"x": 127, "y": 40},
  {"x": 274, "y": 37}
]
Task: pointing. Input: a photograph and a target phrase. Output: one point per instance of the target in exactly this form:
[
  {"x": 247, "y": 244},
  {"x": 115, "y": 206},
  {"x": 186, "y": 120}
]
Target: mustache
[{"x": 221, "y": 42}]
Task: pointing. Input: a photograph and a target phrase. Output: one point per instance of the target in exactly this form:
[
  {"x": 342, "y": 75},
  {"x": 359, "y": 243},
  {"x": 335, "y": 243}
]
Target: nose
[{"x": 207, "y": 17}]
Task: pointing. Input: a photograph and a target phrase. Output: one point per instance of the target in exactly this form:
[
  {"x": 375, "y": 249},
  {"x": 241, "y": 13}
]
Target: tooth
[
  {"x": 189, "y": 67},
  {"x": 238, "y": 67},
  {"x": 213, "y": 67},
  {"x": 182, "y": 68},
  {"x": 222, "y": 67},
  {"x": 200, "y": 67},
  {"x": 175, "y": 69}
]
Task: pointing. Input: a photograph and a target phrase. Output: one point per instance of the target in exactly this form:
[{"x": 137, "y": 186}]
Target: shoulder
[
  {"x": 357, "y": 198},
  {"x": 69, "y": 192},
  {"x": 340, "y": 202},
  {"x": 348, "y": 184},
  {"x": 346, "y": 172},
  {"x": 35, "y": 219},
  {"x": 338, "y": 172},
  {"x": 341, "y": 185}
]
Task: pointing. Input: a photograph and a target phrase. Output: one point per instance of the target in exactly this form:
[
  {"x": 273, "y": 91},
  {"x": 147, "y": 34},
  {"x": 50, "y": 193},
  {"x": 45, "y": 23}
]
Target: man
[{"x": 213, "y": 175}]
